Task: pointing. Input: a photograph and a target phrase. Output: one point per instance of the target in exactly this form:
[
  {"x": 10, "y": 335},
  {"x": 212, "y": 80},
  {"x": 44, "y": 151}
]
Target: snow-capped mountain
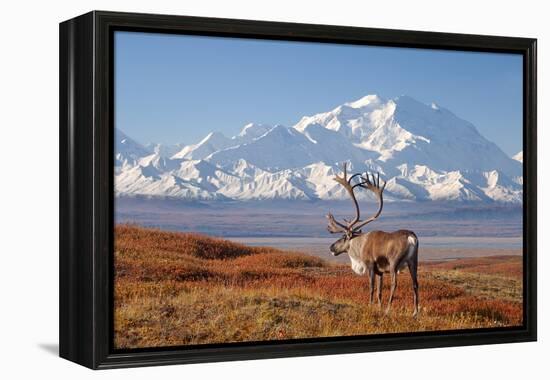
[
  {"x": 518, "y": 156},
  {"x": 425, "y": 152},
  {"x": 213, "y": 142},
  {"x": 252, "y": 131},
  {"x": 403, "y": 130},
  {"x": 127, "y": 151},
  {"x": 165, "y": 150},
  {"x": 288, "y": 148}
]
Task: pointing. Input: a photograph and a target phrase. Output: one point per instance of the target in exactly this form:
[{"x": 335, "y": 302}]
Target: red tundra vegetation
[{"x": 183, "y": 289}]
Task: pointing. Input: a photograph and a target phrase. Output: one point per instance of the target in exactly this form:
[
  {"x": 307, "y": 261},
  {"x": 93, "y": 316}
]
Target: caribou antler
[
  {"x": 365, "y": 182},
  {"x": 347, "y": 184},
  {"x": 335, "y": 227},
  {"x": 374, "y": 186}
]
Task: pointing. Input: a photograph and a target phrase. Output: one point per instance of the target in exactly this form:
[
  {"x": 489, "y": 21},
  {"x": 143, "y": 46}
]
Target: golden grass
[
  {"x": 178, "y": 289},
  {"x": 505, "y": 266}
]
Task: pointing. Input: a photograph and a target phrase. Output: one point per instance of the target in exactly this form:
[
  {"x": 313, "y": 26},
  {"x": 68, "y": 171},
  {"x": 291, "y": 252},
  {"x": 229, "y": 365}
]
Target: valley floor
[{"x": 184, "y": 289}]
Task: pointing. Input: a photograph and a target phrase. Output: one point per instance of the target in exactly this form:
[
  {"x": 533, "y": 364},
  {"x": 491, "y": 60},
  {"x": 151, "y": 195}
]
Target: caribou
[{"x": 374, "y": 252}]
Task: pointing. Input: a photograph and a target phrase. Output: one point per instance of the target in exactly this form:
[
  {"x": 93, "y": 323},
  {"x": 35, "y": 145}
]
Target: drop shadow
[{"x": 52, "y": 348}]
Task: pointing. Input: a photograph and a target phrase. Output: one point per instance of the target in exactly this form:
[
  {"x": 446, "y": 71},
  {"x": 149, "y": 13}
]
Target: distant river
[{"x": 431, "y": 248}]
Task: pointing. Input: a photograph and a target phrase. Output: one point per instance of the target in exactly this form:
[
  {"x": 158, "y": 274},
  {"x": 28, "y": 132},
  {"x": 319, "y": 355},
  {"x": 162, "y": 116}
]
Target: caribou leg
[
  {"x": 413, "y": 270},
  {"x": 379, "y": 290},
  {"x": 393, "y": 273},
  {"x": 371, "y": 284}
]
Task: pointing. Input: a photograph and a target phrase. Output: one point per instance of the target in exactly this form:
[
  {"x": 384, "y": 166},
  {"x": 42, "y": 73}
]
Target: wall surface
[{"x": 29, "y": 186}]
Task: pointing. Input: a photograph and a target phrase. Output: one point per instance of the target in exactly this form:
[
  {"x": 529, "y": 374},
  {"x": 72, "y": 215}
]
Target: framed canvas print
[{"x": 238, "y": 189}]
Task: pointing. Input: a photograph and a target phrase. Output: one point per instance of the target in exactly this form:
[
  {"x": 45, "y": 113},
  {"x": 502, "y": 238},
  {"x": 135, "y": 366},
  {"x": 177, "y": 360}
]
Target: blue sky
[{"x": 173, "y": 89}]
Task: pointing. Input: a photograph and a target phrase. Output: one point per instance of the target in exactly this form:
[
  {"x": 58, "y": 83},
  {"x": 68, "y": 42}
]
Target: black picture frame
[{"x": 86, "y": 187}]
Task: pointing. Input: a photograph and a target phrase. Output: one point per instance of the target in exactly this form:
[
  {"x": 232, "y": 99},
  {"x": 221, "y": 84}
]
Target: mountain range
[{"x": 424, "y": 152}]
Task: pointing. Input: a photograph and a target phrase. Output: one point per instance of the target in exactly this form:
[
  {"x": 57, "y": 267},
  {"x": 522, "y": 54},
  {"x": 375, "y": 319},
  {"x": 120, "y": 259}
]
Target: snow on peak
[
  {"x": 165, "y": 150},
  {"x": 368, "y": 100},
  {"x": 213, "y": 137},
  {"x": 518, "y": 156},
  {"x": 423, "y": 151},
  {"x": 253, "y": 130},
  {"x": 127, "y": 151},
  {"x": 247, "y": 127},
  {"x": 213, "y": 142}
]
